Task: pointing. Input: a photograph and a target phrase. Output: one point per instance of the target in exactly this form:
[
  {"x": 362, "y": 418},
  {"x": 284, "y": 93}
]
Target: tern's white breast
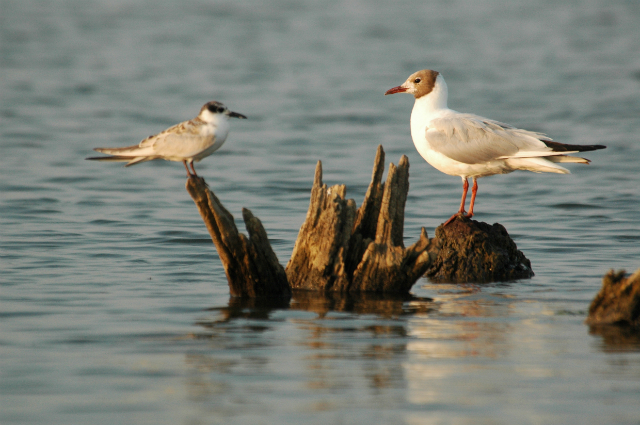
[{"x": 218, "y": 128}]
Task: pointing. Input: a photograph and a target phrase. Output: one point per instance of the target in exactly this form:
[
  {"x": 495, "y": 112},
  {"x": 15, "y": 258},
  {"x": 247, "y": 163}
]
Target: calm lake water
[{"x": 115, "y": 307}]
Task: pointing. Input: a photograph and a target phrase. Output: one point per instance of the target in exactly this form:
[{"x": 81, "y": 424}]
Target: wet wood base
[{"x": 472, "y": 251}]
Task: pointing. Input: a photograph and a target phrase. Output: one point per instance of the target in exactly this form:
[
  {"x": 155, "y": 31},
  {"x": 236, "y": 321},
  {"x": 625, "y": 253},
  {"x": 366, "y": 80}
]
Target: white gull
[{"x": 471, "y": 146}]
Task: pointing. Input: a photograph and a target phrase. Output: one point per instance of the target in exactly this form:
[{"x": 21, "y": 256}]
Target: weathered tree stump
[
  {"x": 472, "y": 251},
  {"x": 318, "y": 261},
  {"x": 251, "y": 266},
  {"x": 344, "y": 250},
  {"x": 618, "y": 302},
  {"x": 339, "y": 248}
]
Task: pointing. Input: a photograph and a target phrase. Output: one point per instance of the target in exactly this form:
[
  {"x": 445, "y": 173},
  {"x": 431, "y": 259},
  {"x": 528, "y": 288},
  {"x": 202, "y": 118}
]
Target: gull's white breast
[{"x": 420, "y": 121}]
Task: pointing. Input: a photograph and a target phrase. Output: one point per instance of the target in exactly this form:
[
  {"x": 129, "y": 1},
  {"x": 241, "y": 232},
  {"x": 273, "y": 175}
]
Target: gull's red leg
[
  {"x": 465, "y": 188},
  {"x": 474, "y": 191}
]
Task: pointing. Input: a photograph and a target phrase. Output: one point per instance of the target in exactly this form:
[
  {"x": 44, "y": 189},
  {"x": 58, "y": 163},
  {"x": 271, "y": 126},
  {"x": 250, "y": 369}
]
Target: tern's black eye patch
[
  {"x": 417, "y": 80},
  {"x": 220, "y": 110}
]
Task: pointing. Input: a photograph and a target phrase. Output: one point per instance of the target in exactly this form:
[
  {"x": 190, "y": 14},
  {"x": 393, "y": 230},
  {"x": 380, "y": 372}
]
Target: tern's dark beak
[
  {"x": 237, "y": 115},
  {"x": 398, "y": 89}
]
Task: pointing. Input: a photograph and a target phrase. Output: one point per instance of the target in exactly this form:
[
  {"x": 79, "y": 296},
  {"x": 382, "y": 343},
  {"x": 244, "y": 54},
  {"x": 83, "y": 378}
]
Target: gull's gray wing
[{"x": 471, "y": 139}]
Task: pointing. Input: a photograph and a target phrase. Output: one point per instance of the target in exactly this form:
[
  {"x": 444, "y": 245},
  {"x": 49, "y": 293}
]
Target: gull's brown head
[{"x": 418, "y": 84}]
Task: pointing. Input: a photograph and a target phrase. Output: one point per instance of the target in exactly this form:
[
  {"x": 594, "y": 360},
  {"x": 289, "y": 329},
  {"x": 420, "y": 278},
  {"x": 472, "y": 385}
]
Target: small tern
[
  {"x": 187, "y": 142},
  {"x": 468, "y": 145}
]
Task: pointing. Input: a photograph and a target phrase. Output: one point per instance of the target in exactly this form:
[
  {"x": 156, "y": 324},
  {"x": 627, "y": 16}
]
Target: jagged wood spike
[
  {"x": 367, "y": 219},
  {"x": 376, "y": 260},
  {"x": 318, "y": 258},
  {"x": 250, "y": 264},
  {"x": 366, "y": 223},
  {"x": 386, "y": 266},
  {"x": 391, "y": 218}
]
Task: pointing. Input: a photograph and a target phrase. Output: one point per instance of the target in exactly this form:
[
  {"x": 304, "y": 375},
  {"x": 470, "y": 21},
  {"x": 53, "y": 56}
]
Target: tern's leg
[
  {"x": 185, "y": 166},
  {"x": 474, "y": 191},
  {"x": 465, "y": 188},
  {"x": 194, "y": 170}
]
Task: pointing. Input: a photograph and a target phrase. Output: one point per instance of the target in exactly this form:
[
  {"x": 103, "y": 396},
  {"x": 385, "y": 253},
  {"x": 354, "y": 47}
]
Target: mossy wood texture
[{"x": 472, "y": 251}]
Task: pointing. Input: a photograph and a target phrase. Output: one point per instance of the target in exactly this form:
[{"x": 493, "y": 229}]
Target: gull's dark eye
[{"x": 417, "y": 80}]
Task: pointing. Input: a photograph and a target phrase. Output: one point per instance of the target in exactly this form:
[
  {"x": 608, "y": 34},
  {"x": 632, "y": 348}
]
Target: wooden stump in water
[
  {"x": 339, "y": 248},
  {"x": 251, "y": 266},
  {"x": 343, "y": 249},
  {"x": 476, "y": 252},
  {"x": 618, "y": 302}
]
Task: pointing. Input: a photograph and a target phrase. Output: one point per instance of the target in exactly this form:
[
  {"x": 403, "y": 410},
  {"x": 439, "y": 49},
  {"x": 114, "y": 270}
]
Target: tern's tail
[
  {"x": 131, "y": 160},
  {"x": 130, "y": 154}
]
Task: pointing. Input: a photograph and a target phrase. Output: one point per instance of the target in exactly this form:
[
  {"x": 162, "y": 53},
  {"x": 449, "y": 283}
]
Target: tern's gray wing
[
  {"x": 183, "y": 140},
  {"x": 184, "y": 145},
  {"x": 471, "y": 139},
  {"x": 184, "y": 128}
]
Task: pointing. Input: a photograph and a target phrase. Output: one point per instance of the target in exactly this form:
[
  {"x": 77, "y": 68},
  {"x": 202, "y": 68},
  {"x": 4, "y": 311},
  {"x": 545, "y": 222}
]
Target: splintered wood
[
  {"x": 343, "y": 249},
  {"x": 339, "y": 248},
  {"x": 251, "y": 266}
]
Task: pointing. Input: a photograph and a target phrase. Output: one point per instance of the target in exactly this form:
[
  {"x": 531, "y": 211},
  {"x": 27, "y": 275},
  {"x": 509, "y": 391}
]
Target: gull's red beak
[{"x": 398, "y": 89}]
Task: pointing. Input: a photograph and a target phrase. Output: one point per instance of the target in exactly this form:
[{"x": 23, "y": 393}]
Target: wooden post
[
  {"x": 339, "y": 249},
  {"x": 251, "y": 266},
  {"x": 319, "y": 258},
  {"x": 618, "y": 302}
]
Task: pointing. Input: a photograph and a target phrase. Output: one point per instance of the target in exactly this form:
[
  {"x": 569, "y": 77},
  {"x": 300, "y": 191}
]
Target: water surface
[{"x": 115, "y": 306}]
